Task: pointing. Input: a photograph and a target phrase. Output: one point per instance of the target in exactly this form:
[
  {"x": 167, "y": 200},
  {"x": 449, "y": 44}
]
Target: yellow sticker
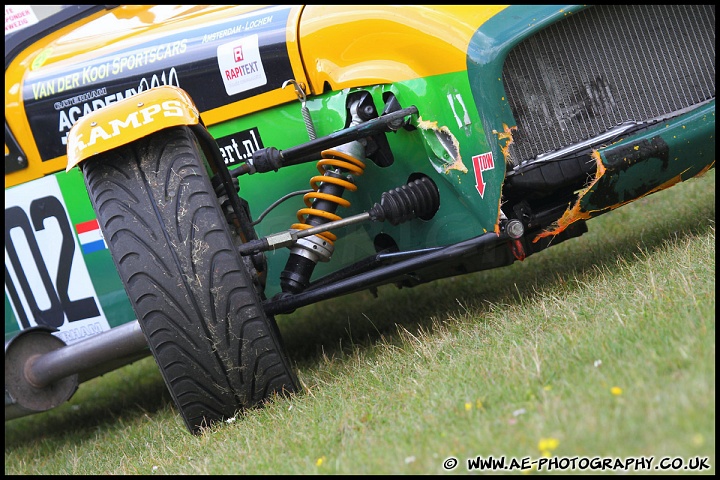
[{"x": 40, "y": 59}]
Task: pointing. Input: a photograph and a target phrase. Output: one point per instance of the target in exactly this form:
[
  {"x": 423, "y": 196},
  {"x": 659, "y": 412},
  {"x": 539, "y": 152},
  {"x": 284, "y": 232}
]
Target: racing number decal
[
  {"x": 60, "y": 303},
  {"x": 46, "y": 278}
]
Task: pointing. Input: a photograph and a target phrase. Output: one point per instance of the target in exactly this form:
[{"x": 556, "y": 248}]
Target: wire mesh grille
[{"x": 604, "y": 66}]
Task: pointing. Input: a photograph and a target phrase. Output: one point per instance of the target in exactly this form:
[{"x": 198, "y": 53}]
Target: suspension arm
[
  {"x": 288, "y": 303},
  {"x": 271, "y": 159},
  {"x": 289, "y": 237}
]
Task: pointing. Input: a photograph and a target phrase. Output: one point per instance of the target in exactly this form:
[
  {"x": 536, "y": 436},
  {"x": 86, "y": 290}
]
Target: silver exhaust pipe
[{"x": 41, "y": 372}]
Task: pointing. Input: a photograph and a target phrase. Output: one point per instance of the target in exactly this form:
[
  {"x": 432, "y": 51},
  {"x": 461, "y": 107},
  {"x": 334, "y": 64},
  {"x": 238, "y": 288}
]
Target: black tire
[{"x": 192, "y": 293}]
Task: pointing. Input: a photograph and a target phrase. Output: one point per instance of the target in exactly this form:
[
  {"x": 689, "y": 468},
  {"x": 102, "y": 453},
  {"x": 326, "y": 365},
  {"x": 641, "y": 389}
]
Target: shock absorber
[
  {"x": 420, "y": 198},
  {"x": 336, "y": 168}
]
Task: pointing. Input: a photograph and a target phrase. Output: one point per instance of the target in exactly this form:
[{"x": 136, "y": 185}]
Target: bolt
[{"x": 515, "y": 229}]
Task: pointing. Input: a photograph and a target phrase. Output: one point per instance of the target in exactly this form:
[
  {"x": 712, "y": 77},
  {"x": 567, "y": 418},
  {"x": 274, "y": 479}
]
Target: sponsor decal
[
  {"x": 18, "y": 17},
  {"x": 240, "y": 65},
  {"x": 80, "y": 332},
  {"x": 238, "y": 147},
  {"x": 73, "y": 108},
  {"x": 249, "y": 47},
  {"x": 240, "y": 27},
  {"x": 239, "y": 57},
  {"x": 90, "y": 236},
  {"x": 147, "y": 56},
  {"x": 169, "y": 108},
  {"x": 91, "y": 74},
  {"x": 482, "y": 163}
]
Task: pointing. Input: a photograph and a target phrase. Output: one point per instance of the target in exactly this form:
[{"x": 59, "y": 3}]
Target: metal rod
[
  {"x": 343, "y": 222},
  {"x": 289, "y": 237},
  {"x": 289, "y": 303},
  {"x": 116, "y": 343},
  {"x": 309, "y": 150}
]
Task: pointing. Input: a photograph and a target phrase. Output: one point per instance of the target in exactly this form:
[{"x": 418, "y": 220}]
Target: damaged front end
[
  {"x": 533, "y": 140},
  {"x": 648, "y": 162},
  {"x": 596, "y": 122}
]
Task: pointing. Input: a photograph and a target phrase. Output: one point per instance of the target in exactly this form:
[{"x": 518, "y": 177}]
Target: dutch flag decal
[{"x": 90, "y": 237}]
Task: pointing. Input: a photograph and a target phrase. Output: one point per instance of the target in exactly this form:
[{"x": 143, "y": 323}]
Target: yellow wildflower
[
  {"x": 548, "y": 444},
  {"x": 616, "y": 391}
]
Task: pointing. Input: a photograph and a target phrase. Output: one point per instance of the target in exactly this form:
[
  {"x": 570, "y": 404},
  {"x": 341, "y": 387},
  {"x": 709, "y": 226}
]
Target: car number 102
[{"x": 46, "y": 278}]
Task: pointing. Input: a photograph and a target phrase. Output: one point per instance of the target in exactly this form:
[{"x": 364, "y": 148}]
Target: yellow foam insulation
[
  {"x": 575, "y": 213},
  {"x": 506, "y": 134},
  {"x": 457, "y": 164}
]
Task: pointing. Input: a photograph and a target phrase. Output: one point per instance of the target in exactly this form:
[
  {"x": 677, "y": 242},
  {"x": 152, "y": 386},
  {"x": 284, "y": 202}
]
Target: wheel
[{"x": 194, "y": 298}]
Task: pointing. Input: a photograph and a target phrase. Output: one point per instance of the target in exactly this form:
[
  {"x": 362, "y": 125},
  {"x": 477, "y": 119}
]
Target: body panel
[
  {"x": 338, "y": 42},
  {"x": 78, "y": 75}
]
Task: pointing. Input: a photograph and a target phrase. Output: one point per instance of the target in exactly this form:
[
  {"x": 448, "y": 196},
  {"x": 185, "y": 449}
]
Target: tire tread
[{"x": 193, "y": 296}]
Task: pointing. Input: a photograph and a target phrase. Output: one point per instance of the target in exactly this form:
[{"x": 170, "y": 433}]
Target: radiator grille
[{"x": 604, "y": 66}]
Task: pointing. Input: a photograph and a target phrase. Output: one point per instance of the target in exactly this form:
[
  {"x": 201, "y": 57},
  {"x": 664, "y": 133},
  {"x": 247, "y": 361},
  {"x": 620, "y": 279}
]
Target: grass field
[{"x": 603, "y": 346}]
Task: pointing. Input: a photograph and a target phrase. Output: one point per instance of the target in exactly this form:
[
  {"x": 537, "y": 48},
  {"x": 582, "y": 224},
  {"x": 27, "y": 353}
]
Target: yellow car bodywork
[{"x": 329, "y": 47}]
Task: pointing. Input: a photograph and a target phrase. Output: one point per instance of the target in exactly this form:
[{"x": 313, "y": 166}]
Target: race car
[{"x": 156, "y": 156}]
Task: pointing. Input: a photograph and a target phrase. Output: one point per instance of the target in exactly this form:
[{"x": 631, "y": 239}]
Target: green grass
[{"x": 603, "y": 346}]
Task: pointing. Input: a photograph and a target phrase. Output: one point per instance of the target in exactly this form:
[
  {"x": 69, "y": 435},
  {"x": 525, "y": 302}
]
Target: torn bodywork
[{"x": 628, "y": 170}]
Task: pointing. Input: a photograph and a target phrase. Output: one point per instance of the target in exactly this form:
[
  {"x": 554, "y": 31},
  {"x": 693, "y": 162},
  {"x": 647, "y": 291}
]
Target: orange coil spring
[{"x": 337, "y": 159}]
